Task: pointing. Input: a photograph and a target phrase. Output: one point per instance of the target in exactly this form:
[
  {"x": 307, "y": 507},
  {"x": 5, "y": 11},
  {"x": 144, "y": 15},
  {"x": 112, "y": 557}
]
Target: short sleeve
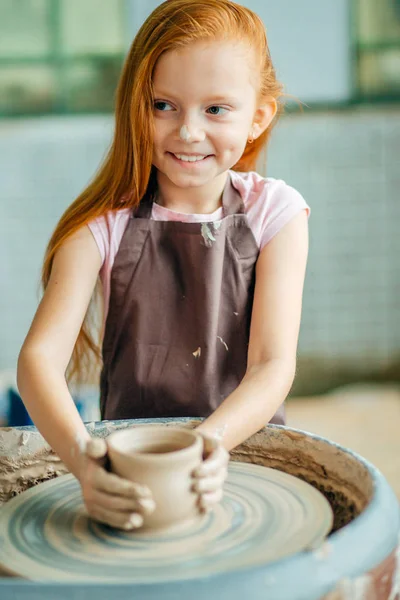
[
  {"x": 107, "y": 231},
  {"x": 269, "y": 203},
  {"x": 282, "y": 203},
  {"x": 101, "y": 234}
]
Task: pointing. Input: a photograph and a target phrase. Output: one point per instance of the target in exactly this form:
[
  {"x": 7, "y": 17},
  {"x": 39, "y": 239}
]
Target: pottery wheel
[{"x": 265, "y": 515}]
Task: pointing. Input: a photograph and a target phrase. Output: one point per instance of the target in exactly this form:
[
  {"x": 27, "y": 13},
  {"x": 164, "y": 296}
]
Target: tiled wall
[
  {"x": 345, "y": 163},
  {"x": 347, "y": 166}
]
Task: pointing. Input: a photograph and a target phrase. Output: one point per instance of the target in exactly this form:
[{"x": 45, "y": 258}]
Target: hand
[
  {"x": 210, "y": 477},
  {"x": 109, "y": 498}
]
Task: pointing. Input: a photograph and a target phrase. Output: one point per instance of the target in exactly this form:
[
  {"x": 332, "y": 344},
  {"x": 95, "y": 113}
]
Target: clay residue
[
  {"x": 25, "y": 461},
  {"x": 359, "y": 588},
  {"x": 345, "y": 499},
  {"x": 197, "y": 353},
  {"x": 222, "y": 342},
  {"x": 380, "y": 583},
  {"x": 185, "y": 133},
  {"x": 208, "y": 232},
  {"x": 18, "y": 474}
]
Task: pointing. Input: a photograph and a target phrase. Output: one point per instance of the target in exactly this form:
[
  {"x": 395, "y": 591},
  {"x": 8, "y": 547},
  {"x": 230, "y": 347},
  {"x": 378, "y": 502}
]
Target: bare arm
[
  {"x": 48, "y": 346},
  {"x": 274, "y": 333}
]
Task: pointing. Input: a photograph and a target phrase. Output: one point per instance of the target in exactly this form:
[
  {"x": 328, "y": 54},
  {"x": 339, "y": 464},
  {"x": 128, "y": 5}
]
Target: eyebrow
[{"x": 219, "y": 98}]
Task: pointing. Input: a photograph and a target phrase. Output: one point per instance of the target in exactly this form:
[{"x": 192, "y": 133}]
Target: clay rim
[{"x": 168, "y": 435}]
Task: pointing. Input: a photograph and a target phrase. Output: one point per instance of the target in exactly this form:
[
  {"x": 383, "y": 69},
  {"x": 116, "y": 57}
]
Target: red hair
[{"x": 127, "y": 173}]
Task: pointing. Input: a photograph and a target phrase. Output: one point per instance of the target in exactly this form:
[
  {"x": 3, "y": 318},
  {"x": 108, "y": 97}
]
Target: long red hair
[{"x": 127, "y": 173}]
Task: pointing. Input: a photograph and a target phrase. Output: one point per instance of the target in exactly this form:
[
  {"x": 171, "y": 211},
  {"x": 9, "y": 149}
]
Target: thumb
[
  {"x": 210, "y": 445},
  {"x": 96, "y": 448}
]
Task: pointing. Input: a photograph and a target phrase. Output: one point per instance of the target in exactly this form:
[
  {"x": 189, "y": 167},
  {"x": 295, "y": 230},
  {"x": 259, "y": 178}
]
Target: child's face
[{"x": 207, "y": 87}]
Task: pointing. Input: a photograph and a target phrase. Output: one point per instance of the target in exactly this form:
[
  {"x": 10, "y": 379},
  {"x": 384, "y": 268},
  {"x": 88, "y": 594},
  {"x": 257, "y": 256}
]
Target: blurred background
[{"x": 59, "y": 65}]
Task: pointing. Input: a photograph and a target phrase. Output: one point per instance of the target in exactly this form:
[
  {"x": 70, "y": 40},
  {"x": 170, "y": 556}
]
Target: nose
[{"x": 190, "y": 132}]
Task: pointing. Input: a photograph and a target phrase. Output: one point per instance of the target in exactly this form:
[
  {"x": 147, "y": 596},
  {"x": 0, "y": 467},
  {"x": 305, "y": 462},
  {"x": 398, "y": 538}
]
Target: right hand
[{"x": 109, "y": 498}]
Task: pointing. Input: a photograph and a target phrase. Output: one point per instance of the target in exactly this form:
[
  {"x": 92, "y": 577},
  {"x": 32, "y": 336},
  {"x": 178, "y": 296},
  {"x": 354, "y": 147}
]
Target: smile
[
  {"x": 186, "y": 160},
  {"x": 190, "y": 157}
]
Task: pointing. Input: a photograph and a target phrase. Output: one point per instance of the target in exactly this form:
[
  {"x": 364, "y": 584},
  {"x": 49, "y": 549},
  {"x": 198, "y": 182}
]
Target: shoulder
[
  {"x": 108, "y": 230},
  {"x": 269, "y": 203},
  {"x": 257, "y": 189}
]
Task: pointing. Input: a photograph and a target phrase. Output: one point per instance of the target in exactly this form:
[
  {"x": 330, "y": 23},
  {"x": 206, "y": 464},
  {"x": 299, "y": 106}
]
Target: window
[
  {"x": 377, "y": 49},
  {"x": 59, "y": 56},
  {"x": 65, "y": 56}
]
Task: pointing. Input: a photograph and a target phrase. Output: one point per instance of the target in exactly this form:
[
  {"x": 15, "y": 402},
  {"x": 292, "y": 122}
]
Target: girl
[{"x": 201, "y": 260}]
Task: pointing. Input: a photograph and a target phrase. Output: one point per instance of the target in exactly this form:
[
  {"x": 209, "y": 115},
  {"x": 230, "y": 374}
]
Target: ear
[{"x": 263, "y": 116}]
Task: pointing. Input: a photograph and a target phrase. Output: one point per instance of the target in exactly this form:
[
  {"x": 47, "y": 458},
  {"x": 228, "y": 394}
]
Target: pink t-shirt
[{"x": 269, "y": 205}]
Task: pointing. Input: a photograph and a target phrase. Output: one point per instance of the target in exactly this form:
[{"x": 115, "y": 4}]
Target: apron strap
[
  {"x": 143, "y": 211},
  {"x": 232, "y": 202}
]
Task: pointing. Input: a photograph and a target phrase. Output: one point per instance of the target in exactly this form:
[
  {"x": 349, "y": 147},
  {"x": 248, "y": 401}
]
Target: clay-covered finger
[
  {"x": 113, "y": 484},
  {"x": 208, "y": 500},
  {"x": 209, "y": 484},
  {"x": 96, "y": 448},
  {"x": 126, "y": 521},
  {"x": 146, "y": 506},
  {"x": 123, "y": 504},
  {"x": 141, "y": 491}
]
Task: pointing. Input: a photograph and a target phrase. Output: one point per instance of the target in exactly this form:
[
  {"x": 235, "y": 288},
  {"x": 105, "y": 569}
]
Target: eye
[
  {"x": 159, "y": 104},
  {"x": 219, "y": 108}
]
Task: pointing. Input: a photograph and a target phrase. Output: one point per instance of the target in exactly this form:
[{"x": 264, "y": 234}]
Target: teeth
[{"x": 189, "y": 158}]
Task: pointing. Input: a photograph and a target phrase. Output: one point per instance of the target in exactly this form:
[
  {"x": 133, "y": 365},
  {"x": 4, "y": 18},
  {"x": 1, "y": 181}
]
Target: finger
[
  {"x": 96, "y": 448},
  {"x": 217, "y": 460},
  {"x": 118, "y": 486},
  {"x": 209, "y": 484},
  {"x": 126, "y": 521},
  {"x": 146, "y": 506},
  {"x": 123, "y": 504},
  {"x": 208, "y": 501}
]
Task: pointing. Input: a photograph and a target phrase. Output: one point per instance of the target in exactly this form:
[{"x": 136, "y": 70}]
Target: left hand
[{"x": 210, "y": 477}]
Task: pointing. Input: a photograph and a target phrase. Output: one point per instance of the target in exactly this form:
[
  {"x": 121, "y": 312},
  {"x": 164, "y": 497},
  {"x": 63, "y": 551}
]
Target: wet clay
[
  {"x": 345, "y": 499},
  {"x": 20, "y": 468},
  {"x": 161, "y": 459}
]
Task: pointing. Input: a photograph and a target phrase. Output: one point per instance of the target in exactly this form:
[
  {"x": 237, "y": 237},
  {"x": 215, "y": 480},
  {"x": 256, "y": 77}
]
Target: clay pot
[{"x": 163, "y": 459}]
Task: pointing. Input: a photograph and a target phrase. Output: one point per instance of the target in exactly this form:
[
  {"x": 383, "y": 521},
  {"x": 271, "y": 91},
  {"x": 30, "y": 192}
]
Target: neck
[{"x": 205, "y": 199}]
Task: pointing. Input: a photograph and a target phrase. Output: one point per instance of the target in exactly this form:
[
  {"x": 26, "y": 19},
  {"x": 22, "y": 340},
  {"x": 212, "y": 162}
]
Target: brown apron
[{"x": 177, "y": 330}]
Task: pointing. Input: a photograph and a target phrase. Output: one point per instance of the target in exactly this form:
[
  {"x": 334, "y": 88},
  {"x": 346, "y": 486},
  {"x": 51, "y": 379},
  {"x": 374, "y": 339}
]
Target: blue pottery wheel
[{"x": 265, "y": 515}]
